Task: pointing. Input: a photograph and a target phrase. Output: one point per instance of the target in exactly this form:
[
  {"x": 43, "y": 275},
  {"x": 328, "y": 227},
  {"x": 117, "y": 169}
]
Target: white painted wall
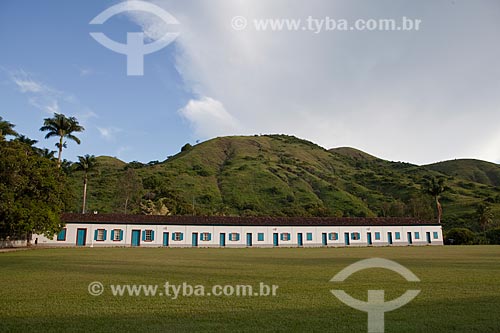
[{"x": 188, "y": 230}]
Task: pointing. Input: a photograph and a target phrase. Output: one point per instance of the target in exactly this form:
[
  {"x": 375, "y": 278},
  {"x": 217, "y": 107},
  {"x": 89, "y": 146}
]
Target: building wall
[{"x": 311, "y": 236}]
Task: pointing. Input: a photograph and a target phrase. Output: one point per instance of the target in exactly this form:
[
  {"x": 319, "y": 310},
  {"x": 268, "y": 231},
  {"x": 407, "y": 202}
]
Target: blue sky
[
  {"x": 132, "y": 117},
  {"x": 418, "y": 96}
]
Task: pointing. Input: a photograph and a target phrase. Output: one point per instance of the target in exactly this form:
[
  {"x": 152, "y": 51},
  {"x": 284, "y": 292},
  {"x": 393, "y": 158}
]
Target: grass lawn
[{"x": 46, "y": 289}]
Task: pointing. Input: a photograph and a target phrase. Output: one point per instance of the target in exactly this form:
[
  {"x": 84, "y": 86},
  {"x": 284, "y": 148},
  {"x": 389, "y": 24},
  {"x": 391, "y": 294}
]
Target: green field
[{"x": 46, "y": 289}]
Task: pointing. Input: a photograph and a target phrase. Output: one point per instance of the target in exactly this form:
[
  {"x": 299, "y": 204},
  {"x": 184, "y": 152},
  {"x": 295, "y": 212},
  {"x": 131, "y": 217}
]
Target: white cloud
[
  {"x": 413, "y": 96},
  {"x": 26, "y": 84},
  {"x": 209, "y": 118},
  {"x": 108, "y": 133}
]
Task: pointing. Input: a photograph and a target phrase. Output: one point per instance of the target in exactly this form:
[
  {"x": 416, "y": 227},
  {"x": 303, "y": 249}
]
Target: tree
[
  {"x": 33, "y": 192},
  {"x": 434, "y": 187},
  {"x": 27, "y": 141},
  {"x": 129, "y": 190},
  {"x": 6, "y": 128},
  {"x": 87, "y": 164},
  {"x": 459, "y": 236},
  {"x": 150, "y": 207},
  {"x": 484, "y": 215},
  {"x": 62, "y": 127}
]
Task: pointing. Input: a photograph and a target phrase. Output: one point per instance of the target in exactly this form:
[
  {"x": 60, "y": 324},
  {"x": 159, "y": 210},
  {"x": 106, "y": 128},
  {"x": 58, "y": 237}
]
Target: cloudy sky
[{"x": 417, "y": 96}]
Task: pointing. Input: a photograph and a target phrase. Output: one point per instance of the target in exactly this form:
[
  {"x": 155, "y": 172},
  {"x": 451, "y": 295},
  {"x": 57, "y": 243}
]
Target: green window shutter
[
  {"x": 309, "y": 236},
  {"x": 182, "y": 236},
  {"x": 95, "y": 234},
  {"x": 112, "y": 235},
  {"x": 209, "y": 236},
  {"x": 237, "y": 237},
  {"x": 143, "y": 235},
  {"x": 173, "y": 236},
  {"x": 121, "y": 234},
  {"x": 282, "y": 236},
  {"x": 260, "y": 236},
  {"x": 152, "y": 235},
  {"x": 104, "y": 236},
  {"x": 352, "y": 236},
  {"x": 330, "y": 236}
]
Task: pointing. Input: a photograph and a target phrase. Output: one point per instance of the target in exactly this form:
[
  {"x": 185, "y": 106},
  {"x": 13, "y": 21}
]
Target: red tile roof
[{"x": 247, "y": 221}]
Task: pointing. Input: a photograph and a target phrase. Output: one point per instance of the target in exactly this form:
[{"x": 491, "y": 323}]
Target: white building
[{"x": 216, "y": 231}]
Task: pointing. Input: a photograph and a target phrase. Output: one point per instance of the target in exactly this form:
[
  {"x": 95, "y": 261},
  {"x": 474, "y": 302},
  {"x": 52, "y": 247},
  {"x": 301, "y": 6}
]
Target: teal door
[
  {"x": 222, "y": 239},
  {"x": 369, "y": 236},
  {"x": 300, "y": 241},
  {"x": 275, "y": 239},
  {"x": 136, "y": 237},
  {"x": 346, "y": 238},
  {"x": 249, "y": 239},
  {"x": 194, "y": 239},
  {"x": 81, "y": 235},
  {"x": 324, "y": 240},
  {"x": 389, "y": 237},
  {"x": 428, "y": 236},
  {"x": 410, "y": 240},
  {"x": 165, "y": 239}
]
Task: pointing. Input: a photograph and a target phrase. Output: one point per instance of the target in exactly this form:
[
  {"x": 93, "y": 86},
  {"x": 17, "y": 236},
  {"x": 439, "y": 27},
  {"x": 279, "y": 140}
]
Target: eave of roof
[{"x": 244, "y": 221}]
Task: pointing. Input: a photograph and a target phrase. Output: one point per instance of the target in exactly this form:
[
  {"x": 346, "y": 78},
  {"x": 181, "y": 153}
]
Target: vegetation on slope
[{"x": 282, "y": 176}]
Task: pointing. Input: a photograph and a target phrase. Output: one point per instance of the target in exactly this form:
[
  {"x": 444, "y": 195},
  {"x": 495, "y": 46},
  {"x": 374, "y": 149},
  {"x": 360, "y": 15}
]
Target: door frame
[
  {"x": 300, "y": 239},
  {"x": 84, "y": 236},
  {"x": 138, "y": 233}
]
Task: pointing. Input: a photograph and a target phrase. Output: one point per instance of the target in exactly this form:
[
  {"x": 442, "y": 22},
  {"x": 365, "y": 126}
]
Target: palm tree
[
  {"x": 27, "y": 141},
  {"x": 87, "y": 164},
  {"x": 6, "y": 128},
  {"x": 485, "y": 215},
  {"x": 434, "y": 187},
  {"x": 62, "y": 127}
]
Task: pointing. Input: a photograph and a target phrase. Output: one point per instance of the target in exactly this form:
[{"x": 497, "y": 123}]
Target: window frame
[
  {"x": 397, "y": 235},
  {"x": 64, "y": 231},
  {"x": 117, "y": 235},
  {"x": 100, "y": 235},
  {"x": 205, "y": 236},
  {"x": 177, "y": 236}
]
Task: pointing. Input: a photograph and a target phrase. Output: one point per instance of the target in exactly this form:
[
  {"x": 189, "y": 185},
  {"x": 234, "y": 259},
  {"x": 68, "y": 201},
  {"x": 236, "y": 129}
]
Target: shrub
[
  {"x": 459, "y": 236},
  {"x": 493, "y": 236}
]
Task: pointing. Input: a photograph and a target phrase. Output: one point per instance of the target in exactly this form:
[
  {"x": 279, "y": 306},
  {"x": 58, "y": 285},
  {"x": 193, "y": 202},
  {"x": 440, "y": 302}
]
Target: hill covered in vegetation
[{"x": 278, "y": 175}]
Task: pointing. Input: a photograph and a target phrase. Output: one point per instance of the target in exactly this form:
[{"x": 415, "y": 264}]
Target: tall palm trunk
[
  {"x": 439, "y": 209},
  {"x": 60, "y": 151},
  {"x": 84, "y": 193}
]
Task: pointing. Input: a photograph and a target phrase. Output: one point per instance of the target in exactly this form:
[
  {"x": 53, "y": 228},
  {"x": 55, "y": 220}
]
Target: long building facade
[{"x": 108, "y": 230}]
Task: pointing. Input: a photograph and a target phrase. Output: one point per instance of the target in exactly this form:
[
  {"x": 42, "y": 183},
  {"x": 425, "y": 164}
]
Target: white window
[
  {"x": 117, "y": 234},
  {"x": 149, "y": 236},
  {"x": 234, "y": 236},
  {"x": 285, "y": 236},
  {"x": 100, "y": 234},
  {"x": 177, "y": 236},
  {"x": 205, "y": 236}
]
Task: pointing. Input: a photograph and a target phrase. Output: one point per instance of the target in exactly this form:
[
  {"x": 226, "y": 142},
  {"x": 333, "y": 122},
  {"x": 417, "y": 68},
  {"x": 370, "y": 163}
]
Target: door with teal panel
[
  {"x": 369, "y": 237},
  {"x": 346, "y": 239},
  {"x": 410, "y": 240},
  {"x": 300, "y": 241},
  {"x": 389, "y": 237},
  {"x": 222, "y": 239},
  {"x": 249, "y": 239},
  {"x": 81, "y": 237},
  {"x": 136, "y": 237},
  {"x": 165, "y": 239},
  {"x": 428, "y": 236},
  {"x": 194, "y": 239},
  {"x": 324, "y": 239},
  {"x": 275, "y": 239}
]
